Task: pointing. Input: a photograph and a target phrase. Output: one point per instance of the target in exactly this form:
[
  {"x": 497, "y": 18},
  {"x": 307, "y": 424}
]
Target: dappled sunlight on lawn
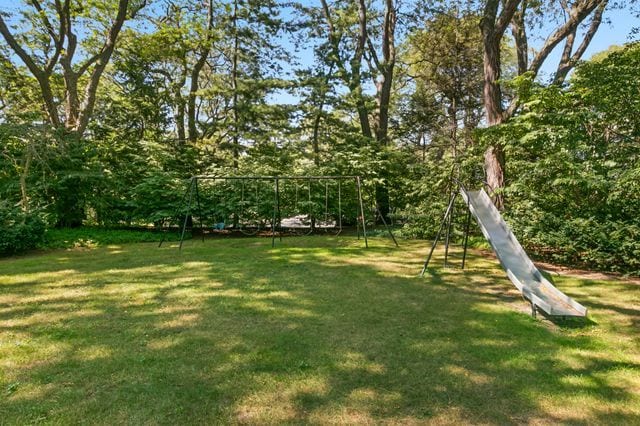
[
  {"x": 352, "y": 361},
  {"x": 47, "y": 277},
  {"x": 314, "y": 330}
]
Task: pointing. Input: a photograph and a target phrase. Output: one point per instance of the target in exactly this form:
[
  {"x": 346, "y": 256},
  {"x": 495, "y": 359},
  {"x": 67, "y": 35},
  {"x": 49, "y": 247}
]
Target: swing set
[{"x": 299, "y": 205}]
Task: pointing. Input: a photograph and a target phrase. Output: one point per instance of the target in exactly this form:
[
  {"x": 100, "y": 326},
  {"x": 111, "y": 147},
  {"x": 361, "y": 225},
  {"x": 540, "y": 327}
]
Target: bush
[
  {"x": 573, "y": 166},
  {"x": 20, "y": 231},
  {"x": 89, "y": 237},
  {"x": 584, "y": 242},
  {"x": 157, "y": 197}
]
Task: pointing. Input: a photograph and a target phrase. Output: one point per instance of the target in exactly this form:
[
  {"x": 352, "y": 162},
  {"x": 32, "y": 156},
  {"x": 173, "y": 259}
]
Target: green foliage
[
  {"x": 423, "y": 190},
  {"x": 445, "y": 60},
  {"x": 89, "y": 237},
  {"x": 157, "y": 197},
  {"x": 19, "y": 231},
  {"x": 573, "y": 171},
  {"x": 574, "y": 165}
]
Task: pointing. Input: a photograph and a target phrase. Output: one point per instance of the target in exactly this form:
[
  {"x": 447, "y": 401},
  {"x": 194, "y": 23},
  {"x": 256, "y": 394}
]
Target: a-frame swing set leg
[
  {"x": 386, "y": 225},
  {"x": 445, "y": 220},
  {"x": 339, "y": 207},
  {"x": 466, "y": 233},
  {"x": 364, "y": 226},
  {"x": 275, "y": 213},
  {"x": 171, "y": 220},
  {"x": 191, "y": 189},
  {"x": 199, "y": 209},
  {"x": 447, "y": 237},
  {"x": 187, "y": 213}
]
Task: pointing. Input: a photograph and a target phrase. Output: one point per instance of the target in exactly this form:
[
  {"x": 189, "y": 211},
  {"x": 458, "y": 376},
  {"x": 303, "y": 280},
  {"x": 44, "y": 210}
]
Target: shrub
[
  {"x": 90, "y": 237},
  {"x": 19, "y": 231}
]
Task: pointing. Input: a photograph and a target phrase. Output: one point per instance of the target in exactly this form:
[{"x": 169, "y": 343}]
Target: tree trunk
[
  {"x": 180, "y": 107},
  {"x": 492, "y": 91},
  {"x": 453, "y": 117},
  {"x": 72, "y": 101},
  {"x": 363, "y": 114},
  {"x": 518, "y": 28},
  {"x": 493, "y": 27},
  {"x": 49, "y": 101},
  {"x": 494, "y": 164},
  {"x": 179, "y": 101},
  {"x": 234, "y": 84},
  {"x": 192, "y": 115},
  {"x": 316, "y": 130},
  {"x": 384, "y": 98},
  {"x": 494, "y": 159},
  {"x": 385, "y": 69}
]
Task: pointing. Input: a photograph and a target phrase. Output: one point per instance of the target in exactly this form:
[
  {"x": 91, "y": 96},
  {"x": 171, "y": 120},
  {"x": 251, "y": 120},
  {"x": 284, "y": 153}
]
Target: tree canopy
[{"x": 106, "y": 106}]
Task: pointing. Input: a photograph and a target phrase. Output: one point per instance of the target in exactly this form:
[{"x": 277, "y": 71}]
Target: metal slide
[{"x": 520, "y": 269}]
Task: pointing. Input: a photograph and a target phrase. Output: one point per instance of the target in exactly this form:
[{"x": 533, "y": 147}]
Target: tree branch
[
  {"x": 506, "y": 14},
  {"x": 518, "y": 29},
  {"x": 567, "y": 63},
  {"x": 15, "y": 46},
  {"x": 334, "y": 41},
  {"x": 374, "y": 55},
  {"x": 36, "y": 4},
  {"x": 41, "y": 76},
  {"x": 579, "y": 11},
  {"x": 93, "y": 59},
  {"x": 86, "y": 109},
  {"x": 362, "y": 33},
  {"x": 59, "y": 42}
]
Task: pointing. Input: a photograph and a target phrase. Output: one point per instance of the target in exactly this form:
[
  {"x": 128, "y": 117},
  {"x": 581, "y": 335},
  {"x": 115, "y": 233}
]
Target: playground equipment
[
  {"x": 514, "y": 260},
  {"x": 238, "y": 203}
]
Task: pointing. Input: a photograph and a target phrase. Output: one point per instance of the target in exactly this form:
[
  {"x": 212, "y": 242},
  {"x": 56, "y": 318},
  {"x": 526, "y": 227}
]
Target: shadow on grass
[
  {"x": 575, "y": 323},
  {"x": 497, "y": 288},
  {"x": 237, "y": 333}
]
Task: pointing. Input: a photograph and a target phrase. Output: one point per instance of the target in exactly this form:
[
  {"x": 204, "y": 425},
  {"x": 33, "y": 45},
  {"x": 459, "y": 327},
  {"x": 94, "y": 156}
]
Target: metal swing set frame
[{"x": 193, "y": 191}]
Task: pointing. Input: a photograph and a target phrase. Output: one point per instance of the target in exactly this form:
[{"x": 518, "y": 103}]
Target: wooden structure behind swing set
[{"x": 191, "y": 204}]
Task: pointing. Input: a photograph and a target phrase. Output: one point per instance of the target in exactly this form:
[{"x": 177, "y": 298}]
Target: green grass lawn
[{"x": 317, "y": 330}]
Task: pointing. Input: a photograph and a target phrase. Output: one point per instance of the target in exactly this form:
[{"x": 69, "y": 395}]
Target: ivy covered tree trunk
[
  {"x": 494, "y": 165},
  {"x": 494, "y": 158},
  {"x": 493, "y": 27}
]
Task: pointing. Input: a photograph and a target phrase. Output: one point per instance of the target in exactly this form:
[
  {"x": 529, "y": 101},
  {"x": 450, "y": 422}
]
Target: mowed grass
[{"x": 317, "y": 330}]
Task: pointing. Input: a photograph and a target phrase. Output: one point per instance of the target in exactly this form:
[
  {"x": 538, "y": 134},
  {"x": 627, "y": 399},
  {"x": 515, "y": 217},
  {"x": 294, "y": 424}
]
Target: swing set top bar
[
  {"x": 193, "y": 190},
  {"x": 209, "y": 177}
]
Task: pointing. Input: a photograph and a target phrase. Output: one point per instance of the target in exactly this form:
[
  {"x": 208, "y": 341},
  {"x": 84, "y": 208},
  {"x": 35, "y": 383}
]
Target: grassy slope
[{"x": 316, "y": 330}]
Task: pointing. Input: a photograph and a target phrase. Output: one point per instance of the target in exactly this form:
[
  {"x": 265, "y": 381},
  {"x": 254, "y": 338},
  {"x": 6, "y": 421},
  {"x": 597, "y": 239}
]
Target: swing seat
[
  {"x": 298, "y": 221},
  {"x": 326, "y": 224}
]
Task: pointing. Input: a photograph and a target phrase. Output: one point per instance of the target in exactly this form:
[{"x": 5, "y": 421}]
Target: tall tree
[
  {"x": 248, "y": 72},
  {"x": 365, "y": 40},
  {"x": 361, "y": 43},
  {"x": 175, "y": 54},
  {"x": 444, "y": 67},
  {"x": 56, "y": 46},
  {"x": 201, "y": 60},
  {"x": 521, "y": 16}
]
